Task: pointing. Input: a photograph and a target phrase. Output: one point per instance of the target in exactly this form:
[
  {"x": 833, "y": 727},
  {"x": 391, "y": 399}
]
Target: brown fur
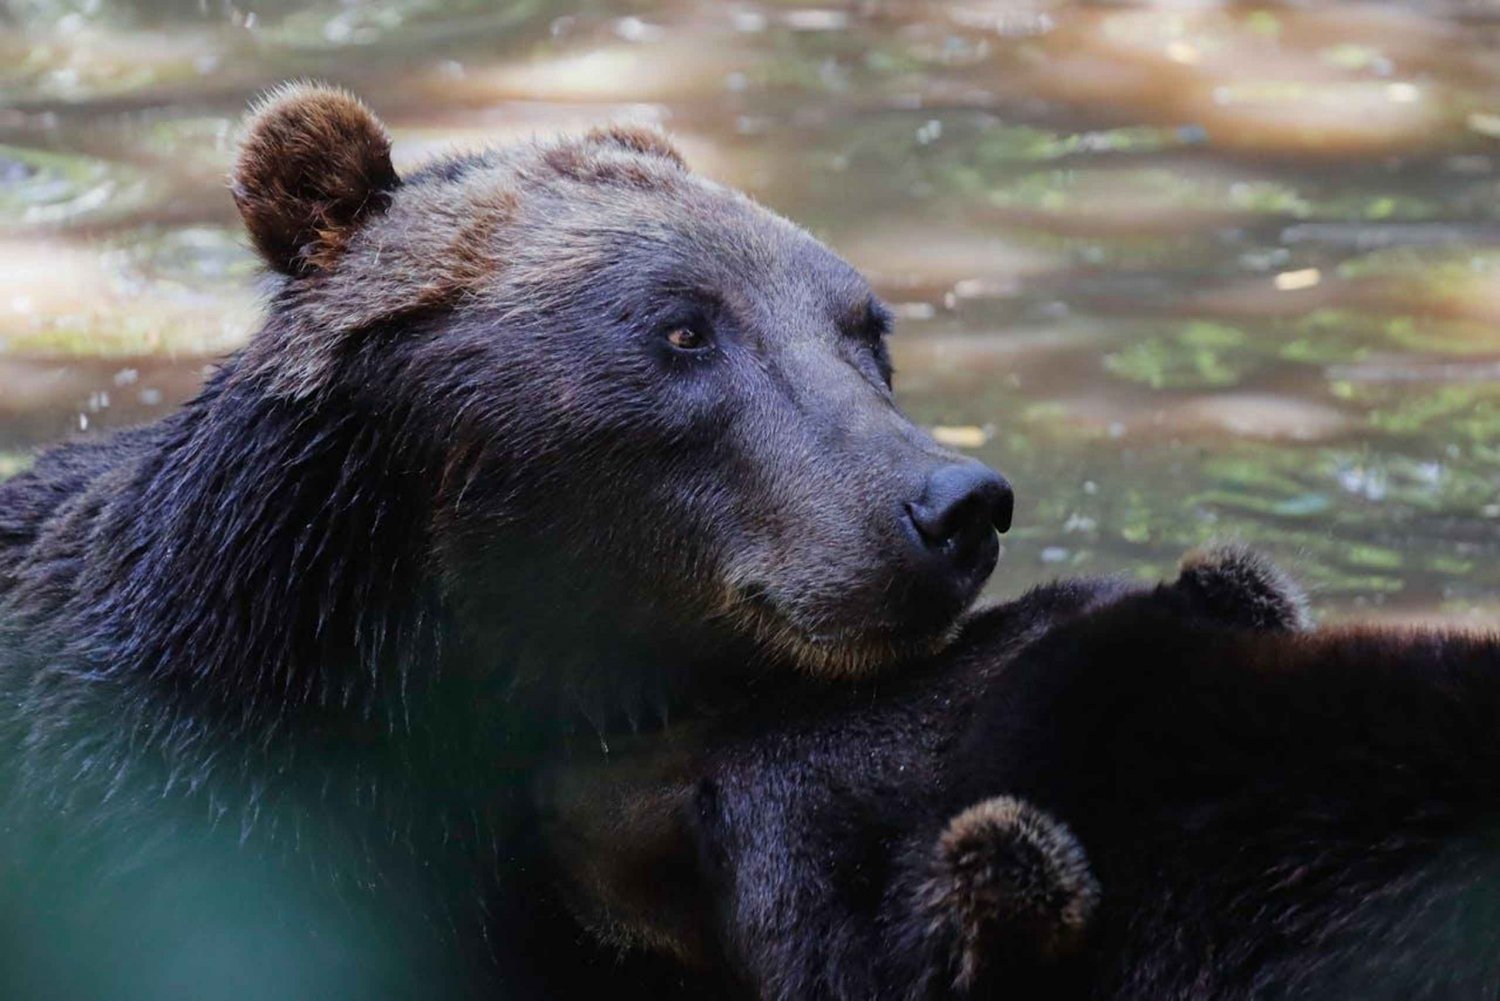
[
  {"x": 314, "y": 162},
  {"x": 644, "y": 891},
  {"x": 1239, "y": 585},
  {"x": 1006, "y": 877},
  {"x": 591, "y": 165},
  {"x": 639, "y": 139},
  {"x": 837, "y": 658},
  {"x": 314, "y": 183},
  {"x": 517, "y": 235}
]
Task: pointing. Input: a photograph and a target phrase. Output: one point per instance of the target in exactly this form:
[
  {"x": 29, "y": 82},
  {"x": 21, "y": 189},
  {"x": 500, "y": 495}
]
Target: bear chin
[{"x": 837, "y": 654}]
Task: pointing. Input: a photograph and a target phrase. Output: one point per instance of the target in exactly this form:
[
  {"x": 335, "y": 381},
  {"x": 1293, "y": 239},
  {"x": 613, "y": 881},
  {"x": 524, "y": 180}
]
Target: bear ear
[
  {"x": 1008, "y": 888},
  {"x": 314, "y": 163},
  {"x": 1237, "y": 586}
]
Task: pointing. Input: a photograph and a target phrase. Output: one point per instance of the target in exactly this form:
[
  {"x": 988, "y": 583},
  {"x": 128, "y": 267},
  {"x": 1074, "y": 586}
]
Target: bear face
[{"x": 632, "y": 391}]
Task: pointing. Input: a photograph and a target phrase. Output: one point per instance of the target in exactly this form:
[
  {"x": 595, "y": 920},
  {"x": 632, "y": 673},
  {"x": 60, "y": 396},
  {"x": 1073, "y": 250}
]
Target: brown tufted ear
[
  {"x": 1008, "y": 886},
  {"x": 1237, "y": 586},
  {"x": 313, "y": 164}
]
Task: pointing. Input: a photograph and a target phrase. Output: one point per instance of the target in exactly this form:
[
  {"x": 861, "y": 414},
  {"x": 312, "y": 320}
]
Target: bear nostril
[
  {"x": 962, "y": 504},
  {"x": 1005, "y": 507}
]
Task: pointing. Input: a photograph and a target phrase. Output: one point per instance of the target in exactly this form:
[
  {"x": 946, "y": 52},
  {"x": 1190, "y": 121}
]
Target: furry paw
[
  {"x": 1241, "y": 587},
  {"x": 1008, "y": 886}
]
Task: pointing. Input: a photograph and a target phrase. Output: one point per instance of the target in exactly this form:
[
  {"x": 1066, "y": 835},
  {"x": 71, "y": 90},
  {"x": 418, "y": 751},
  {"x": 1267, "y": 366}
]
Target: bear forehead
[{"x": 486, "y": 227}]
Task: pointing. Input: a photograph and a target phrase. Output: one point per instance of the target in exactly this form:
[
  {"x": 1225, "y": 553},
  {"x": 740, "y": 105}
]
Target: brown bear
[
  {"x": 1096, "y": 794},
  {"x": 535, "y": 445}
]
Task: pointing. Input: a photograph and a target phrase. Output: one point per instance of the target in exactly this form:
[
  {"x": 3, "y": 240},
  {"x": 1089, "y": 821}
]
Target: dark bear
[
  {"x": 1160, "y": 794},
  {"x": 535, "y": 444},
  {"x": 754, "y": 849}
]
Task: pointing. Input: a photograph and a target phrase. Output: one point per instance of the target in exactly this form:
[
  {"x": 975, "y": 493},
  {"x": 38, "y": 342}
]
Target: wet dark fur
[
  {"x": 774, "y": 837},
  {"x": 1268, "y": 813},
  {"x": 256, "y": 671},
  {"x": 1271, "y": 816},
  {"x": 277, "y": 671}
]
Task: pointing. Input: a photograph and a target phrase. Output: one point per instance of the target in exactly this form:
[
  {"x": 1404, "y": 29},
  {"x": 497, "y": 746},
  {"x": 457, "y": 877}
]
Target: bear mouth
[{"x": 833, "y": 652}]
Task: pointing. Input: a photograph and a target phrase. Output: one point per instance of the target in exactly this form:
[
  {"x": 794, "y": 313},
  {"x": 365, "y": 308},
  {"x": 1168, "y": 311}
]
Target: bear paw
[
  {"x": 1008, "y": 885},
  {"x": 1241, "y": 587}
]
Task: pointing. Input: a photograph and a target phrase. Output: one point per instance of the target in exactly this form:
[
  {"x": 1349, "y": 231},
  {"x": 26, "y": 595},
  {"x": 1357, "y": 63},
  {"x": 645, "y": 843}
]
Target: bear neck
[
  {"x": 274, "y": 552},
  {"x": 267, "y": 563}
]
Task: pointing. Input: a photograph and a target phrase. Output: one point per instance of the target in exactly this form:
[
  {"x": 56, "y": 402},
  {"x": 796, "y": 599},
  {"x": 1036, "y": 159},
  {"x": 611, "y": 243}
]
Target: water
[{"x": 1183, "y": 271}]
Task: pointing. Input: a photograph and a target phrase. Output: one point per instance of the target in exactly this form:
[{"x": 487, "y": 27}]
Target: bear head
[{"x": 655, "y": 417}]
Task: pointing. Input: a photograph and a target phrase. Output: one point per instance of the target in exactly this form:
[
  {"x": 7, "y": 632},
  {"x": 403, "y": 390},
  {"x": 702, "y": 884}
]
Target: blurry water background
[{"x": 1182, "y": 270}]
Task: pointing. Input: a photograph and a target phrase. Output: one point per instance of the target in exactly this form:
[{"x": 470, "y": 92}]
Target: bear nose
[{"x": 962, "y": 505}]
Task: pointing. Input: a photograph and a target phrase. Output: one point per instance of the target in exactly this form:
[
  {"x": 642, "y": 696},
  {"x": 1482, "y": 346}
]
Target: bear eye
[
  {"x": 872, "y": 328},
  {"x": 687, "y": 338}
]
